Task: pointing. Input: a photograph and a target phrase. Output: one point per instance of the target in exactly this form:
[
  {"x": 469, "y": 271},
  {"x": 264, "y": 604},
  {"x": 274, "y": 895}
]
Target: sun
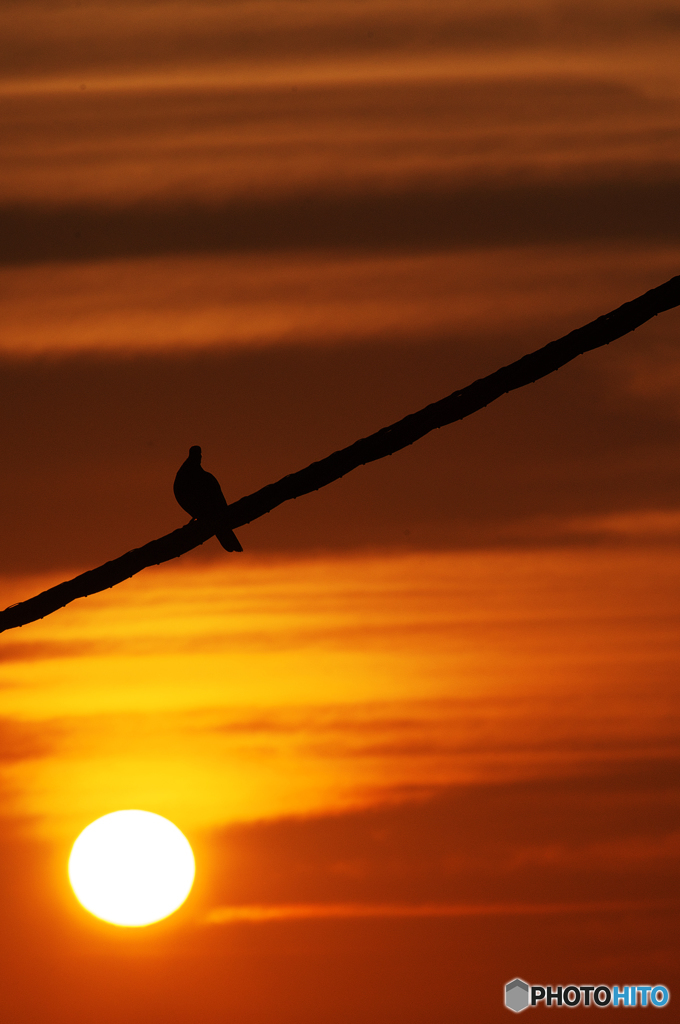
[{"x": 131, "y": 868}]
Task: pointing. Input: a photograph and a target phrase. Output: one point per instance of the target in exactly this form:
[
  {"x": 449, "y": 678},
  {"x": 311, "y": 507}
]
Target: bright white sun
[{"x": 131, "y": 868}]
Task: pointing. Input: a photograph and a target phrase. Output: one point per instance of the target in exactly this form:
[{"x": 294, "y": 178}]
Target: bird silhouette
[{"x": 200, "y": 494}]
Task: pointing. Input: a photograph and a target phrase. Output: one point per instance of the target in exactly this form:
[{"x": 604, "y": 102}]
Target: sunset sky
[{"x": 423, "y": 735}]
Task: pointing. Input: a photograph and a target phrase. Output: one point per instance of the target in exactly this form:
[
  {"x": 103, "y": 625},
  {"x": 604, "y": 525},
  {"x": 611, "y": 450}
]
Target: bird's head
[{"x": 195, "y": 453}]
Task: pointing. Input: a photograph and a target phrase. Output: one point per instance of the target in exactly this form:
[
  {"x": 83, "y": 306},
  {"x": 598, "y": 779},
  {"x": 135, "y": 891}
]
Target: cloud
[
  {"x": 516, "y": 847},
  {"x": 394, "y": 166},
  {"x": 259, "y": 914},
  {"x": 425, "y": 218},
  {"x": 117, "y": 37},
  {"x": 481, "y": 300},
  {"x": 281, "y": 687},
  {"x": 25, "y": 741}
]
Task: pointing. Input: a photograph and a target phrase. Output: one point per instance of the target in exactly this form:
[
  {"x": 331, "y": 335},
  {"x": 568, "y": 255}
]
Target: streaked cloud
[
  {"x": 343, "y": 911},
  {"x": 172, "y": 155},
  {"x": 25, "y": 741},
  {"x": 128, "y": 37},
  {"x": 481, "y": 297},
  {"x": 641, "y": 526},
  {"x": 229, "y": 693}
]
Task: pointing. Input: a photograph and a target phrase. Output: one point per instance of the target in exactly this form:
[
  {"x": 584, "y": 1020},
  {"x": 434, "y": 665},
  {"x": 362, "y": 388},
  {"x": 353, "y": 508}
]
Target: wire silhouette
[{"x": 475, "y": 396}]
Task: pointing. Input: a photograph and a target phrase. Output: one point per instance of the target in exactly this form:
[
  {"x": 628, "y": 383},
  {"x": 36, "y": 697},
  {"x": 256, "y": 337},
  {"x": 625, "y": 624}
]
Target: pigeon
[{"x": 200, "y": 494}]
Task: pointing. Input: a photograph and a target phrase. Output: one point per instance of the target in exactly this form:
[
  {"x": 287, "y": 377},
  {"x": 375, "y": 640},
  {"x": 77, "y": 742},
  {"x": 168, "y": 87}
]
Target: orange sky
[{"x": 423, "y": 734}]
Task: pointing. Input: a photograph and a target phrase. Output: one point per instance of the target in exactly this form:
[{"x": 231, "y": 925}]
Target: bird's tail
[{"x": 228, "y": 539}]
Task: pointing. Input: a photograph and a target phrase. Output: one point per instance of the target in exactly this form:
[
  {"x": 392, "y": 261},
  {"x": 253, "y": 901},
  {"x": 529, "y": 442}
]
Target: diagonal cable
[{"x": 384, "y": 442}]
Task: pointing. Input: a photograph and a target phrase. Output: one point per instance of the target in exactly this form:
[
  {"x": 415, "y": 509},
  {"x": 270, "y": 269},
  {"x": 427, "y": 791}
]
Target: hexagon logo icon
[{"x": 517, "y": 995}]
